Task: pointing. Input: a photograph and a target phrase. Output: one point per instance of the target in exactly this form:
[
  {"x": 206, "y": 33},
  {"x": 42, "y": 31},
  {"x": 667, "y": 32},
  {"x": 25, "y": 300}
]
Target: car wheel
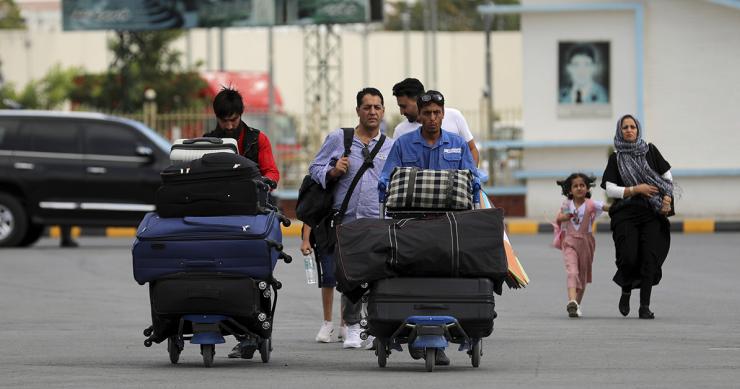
[
  {"x": 32, "y": 235},
  {"x": 13, "y": 221}
]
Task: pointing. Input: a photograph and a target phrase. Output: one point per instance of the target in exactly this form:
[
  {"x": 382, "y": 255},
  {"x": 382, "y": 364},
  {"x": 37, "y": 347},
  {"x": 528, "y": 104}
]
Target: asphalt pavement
[{"x": 73, "y": 318}]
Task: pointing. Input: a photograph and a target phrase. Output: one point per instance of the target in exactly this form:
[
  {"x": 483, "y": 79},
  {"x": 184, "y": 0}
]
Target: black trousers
[{"x": 641, "y": 241}]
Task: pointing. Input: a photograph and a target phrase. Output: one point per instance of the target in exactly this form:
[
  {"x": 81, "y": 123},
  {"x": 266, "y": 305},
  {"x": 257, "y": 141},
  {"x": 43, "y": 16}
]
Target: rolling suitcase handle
[
  {"x": 432, "y": 306},
  {"x": 215, "y": 141},
  {"x": 199, "y": 262}
]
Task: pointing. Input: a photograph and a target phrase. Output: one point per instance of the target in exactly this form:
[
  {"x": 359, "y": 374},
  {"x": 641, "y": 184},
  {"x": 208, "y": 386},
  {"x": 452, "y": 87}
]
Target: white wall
[
  {"x": 691, "y": 89},
  {"x": 28, "y": 55},
  {"x": 461, "y": 75},
  {"x": 541, "y": 33},
  {"x": 692, "y": 80}
]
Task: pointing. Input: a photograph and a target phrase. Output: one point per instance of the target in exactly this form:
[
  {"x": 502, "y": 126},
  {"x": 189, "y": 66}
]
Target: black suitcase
[
  {"x": 206, "y": 293},
  {"x": 236, "y": 296},
  {"x": 218, "y": 184},
  {"x": 469, "y": 300}
]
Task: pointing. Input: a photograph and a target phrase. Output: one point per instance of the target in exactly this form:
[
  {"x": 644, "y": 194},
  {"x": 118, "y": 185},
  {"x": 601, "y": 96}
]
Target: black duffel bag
[
  {"x": 218, "y": 184},
  {"x": 468, "y": 244}
]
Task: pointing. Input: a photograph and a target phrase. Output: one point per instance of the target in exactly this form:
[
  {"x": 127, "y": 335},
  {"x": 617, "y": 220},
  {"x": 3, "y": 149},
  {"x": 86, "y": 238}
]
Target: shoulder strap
[
  {"x": 348, "y": 134},
  {"x": 366, "y": 164}
]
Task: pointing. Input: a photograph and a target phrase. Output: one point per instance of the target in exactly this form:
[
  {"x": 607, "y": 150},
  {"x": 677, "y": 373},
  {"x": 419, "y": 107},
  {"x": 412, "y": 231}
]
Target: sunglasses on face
[
  {"x": 427, "y": 97},
  {"x": 626, "y": 126}
]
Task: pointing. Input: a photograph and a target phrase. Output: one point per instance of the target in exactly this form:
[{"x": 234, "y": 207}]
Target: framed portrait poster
[{"x": 583, "y": 79}]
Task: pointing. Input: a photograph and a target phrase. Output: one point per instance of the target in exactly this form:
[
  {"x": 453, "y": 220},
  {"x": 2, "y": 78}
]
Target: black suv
[{"x": 74, "y": 168}]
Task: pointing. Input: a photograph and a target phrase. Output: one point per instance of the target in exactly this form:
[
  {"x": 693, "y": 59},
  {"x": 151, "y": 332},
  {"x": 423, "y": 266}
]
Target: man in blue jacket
[{"x": 429, "y": 148}]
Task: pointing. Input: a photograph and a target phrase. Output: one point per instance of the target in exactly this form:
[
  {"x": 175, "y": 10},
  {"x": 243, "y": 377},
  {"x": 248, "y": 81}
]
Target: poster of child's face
[{"x": 583, "y": 79}]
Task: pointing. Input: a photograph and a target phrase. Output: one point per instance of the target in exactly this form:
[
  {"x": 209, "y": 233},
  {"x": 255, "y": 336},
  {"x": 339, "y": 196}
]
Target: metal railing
[{"x": 293, "y": 151}]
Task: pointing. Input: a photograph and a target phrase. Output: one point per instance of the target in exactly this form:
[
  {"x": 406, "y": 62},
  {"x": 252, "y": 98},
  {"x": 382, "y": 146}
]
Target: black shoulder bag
[
  {"x": 325, "y": 230},
  {"x": 315, "y": 202}
]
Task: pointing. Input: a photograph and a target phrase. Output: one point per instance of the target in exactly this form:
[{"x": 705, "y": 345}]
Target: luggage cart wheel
[
  {"x": 148, "y": 331},
  {"x": 207, "y": 351},
  {"x": 476, "y": 352},
  {"x": 265, "y": 349},
  {"x": 429, "y": 358},
  {"x": 173, "y": 349},
  {"x": 381, "y": 350}
]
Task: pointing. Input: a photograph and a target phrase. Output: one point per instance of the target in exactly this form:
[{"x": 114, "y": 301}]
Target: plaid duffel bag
[{"x": 412, "y": 188}]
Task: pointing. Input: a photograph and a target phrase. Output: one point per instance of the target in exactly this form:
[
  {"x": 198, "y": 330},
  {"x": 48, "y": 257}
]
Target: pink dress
[{"x": 578, "y": 246}]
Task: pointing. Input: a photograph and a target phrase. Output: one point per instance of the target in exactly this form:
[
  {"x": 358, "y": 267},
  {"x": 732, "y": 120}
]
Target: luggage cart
[{"x": 429, "y": 333}]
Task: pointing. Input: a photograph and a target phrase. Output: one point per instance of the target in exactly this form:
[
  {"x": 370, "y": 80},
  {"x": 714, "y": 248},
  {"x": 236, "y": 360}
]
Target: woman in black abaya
[{"x": 639, "y": 180}]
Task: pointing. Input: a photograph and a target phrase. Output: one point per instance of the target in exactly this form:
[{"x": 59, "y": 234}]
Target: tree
[
  {"x": 10, "y": 16},
  {"x": 142, "y": 60},
  {"x": 453, "y": 15}
]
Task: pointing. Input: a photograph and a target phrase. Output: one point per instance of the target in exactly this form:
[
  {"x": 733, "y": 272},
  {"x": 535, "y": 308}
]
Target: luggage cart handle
[{"x": 381, "y": 199}]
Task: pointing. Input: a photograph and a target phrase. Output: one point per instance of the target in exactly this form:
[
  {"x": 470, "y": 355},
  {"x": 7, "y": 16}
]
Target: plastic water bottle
[{"x": 310, "y": 266}]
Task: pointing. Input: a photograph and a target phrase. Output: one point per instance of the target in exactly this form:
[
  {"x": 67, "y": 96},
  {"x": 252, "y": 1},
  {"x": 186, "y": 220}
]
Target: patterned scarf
[{"x": 633, "y": 166}]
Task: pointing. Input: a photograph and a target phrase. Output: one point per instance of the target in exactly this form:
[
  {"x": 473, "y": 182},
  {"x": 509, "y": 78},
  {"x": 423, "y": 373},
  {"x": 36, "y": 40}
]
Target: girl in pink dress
[{"x": 574, "y": 235}]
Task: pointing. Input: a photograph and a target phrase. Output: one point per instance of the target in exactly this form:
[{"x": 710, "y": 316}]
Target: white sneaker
[
  {"x": 370, "y": 343},
  {"x": 572, "y": 308},
  {"x": 578, "y": 311},
  {"x": 342, "y": 335},
  {"x": 352, "y": 340},
  {"x": 325, "y": 332}
]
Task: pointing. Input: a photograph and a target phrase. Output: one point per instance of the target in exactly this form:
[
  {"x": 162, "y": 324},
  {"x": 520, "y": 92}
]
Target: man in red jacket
[{"x": 253, "y": 143}]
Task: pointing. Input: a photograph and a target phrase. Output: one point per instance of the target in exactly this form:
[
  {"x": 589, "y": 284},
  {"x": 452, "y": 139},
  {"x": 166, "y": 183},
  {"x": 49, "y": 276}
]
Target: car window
[
  {"x": 7, "y": 132},
  {"x": 110, "y": 139},
  {"x": 49, "y": 136}
]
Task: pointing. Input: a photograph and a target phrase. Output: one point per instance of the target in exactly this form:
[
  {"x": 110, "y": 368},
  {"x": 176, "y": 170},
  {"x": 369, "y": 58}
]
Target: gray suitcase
[{"x": 186, "y": 150}]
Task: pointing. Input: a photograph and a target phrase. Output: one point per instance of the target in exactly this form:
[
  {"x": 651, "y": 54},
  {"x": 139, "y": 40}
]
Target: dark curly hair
[{"x": 565, "y": 184}]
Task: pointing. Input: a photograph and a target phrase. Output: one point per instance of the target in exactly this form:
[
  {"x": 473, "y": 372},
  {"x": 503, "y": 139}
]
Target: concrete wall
[
  {"x": 691, "y": 89},
  {"x": 461, "y": 75}
]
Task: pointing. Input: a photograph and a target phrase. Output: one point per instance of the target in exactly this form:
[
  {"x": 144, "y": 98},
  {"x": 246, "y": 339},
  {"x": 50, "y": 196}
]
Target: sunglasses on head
[{"x": 427, "y": 97}]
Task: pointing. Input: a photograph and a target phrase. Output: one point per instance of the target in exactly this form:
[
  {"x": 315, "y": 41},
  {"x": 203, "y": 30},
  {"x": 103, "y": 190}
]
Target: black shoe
[
  {"x": 440, "y": 358},
  {"x": 646, "y": 313},
  {"x": 244, "y": 350},
  {"x": 416, "y": 353},
  {"x": 624, "y": 304},
  {"x": 68, "y": 243}
]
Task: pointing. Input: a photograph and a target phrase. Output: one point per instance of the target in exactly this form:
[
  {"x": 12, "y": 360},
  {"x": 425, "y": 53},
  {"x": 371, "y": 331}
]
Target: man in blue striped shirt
[{"x": 331, "y": 166}]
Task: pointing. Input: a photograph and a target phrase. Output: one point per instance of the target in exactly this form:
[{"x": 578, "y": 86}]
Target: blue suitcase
[{"x": 243, "y": 244}]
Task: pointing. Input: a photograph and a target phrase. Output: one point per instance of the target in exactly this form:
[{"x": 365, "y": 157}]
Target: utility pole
[
  {"x": 221, "y": 61},
  {"x": 490, "y": 116},
  {"x": 270, "y": 81},
  {"x": 435, "y": 20},
  {"x": 406, "y": 20},
  {"x": 427, "y": 65}
]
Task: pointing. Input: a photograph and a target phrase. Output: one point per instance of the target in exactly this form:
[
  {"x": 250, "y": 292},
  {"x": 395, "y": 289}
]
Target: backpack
[{"x": 315, "y": 202}]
